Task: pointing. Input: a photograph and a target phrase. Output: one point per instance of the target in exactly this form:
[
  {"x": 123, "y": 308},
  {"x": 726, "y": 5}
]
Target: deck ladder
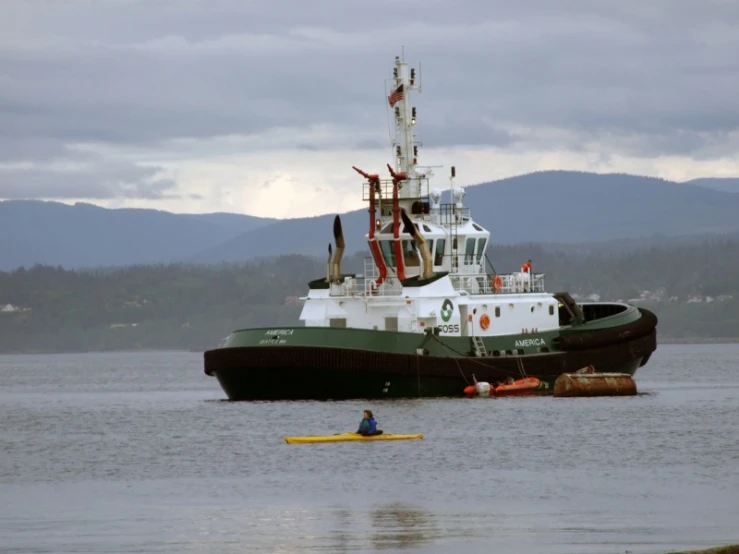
[{"x": 480, "y": 350}]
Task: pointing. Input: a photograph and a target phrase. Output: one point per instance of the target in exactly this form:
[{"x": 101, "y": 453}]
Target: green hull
[{"x": 338, "y": 363}]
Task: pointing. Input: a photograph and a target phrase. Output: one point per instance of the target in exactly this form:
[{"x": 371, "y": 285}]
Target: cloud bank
[{"x": 259, "y": 107}]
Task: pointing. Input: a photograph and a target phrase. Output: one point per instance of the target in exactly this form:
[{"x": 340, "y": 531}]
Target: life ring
[
  {"x": 484, "y": 321},
  {"x": 497, "y": 283}
]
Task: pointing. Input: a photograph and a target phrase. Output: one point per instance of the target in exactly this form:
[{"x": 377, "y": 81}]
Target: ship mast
[{"x": 405, "y": 144}]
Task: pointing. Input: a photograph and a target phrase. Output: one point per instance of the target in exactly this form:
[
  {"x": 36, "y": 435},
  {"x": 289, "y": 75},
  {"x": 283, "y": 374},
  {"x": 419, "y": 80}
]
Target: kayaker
[{"x": 368, "y": 425}]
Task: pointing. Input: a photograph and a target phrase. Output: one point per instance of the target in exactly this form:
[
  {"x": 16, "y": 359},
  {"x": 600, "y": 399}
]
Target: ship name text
[
  {"x": 279, "y": 332},
  {"x": 531, "y": 342},
  {"x": 277, "y": 336}
]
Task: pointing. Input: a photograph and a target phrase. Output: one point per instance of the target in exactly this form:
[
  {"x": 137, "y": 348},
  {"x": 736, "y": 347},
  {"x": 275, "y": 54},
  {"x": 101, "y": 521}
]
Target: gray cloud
[
  {"x": 99, "y": 181},
  {"x": 644, "y": 78}
]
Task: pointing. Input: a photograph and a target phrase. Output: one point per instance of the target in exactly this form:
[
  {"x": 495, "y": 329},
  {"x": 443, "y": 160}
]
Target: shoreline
[
  {"x": 697, "y": 340},
  {"x": 112, "y": 351},
  {"x": 728, "y": 549}
]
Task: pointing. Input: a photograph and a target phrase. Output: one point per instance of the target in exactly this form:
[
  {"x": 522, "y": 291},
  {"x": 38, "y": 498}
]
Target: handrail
[{"x": 464, "y": 284}]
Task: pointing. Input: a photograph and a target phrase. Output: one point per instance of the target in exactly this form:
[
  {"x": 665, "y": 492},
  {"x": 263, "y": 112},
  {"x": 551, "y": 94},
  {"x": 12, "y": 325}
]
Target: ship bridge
[
  {"x": 456, "y": 243},
  {"x": 457, "y": 249}
]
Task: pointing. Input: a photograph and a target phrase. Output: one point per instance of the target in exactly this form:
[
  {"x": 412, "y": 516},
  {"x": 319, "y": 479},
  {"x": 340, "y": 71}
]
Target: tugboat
[{"x": 426, "y": 314}]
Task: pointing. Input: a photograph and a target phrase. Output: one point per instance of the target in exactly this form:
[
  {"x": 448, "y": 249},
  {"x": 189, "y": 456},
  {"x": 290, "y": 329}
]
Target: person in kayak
[{"x": 368, "y": 425}]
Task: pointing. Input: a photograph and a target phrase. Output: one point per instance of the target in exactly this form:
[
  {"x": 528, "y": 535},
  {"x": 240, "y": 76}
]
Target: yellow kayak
[{"x": 346, "y": 437}]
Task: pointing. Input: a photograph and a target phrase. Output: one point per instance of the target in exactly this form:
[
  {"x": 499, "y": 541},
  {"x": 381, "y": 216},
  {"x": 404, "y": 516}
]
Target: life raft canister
[{"x": 484, "y": 322}]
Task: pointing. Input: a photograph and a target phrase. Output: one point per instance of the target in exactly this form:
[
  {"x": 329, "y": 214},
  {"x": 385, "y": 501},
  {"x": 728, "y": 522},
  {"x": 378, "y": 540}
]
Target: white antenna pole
[
  {"x": 404, "y": 144},
  {"x": 451, "y": 189}
]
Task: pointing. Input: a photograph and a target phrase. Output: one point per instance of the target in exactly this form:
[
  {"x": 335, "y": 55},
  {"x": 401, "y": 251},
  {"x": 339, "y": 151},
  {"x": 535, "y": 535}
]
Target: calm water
[{"x": 127, "y": 453}]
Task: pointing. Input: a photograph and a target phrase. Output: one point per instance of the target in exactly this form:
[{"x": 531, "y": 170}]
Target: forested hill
[{"x": 694, "y": 289}]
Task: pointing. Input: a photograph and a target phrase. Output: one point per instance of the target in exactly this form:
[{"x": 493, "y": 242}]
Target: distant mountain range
[
  {"x": 84, "y": 235},
  {"x": 544, "y": 207},
  {"x": 728, "y": 184}
]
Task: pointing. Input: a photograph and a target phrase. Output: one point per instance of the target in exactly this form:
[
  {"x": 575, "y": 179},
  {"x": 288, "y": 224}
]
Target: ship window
[
  {"x": 469, "y": 252},
  {"x": 391, "y": 324},
  {"x": 377, "y": 262},
  {"x": 497, "y": 311},
  {"x": 551, "y": 309},
  {"x": 337, "y": 322},
  {"x": 410, "y": 254},
  {"x": 387, "y": 252},
  {"x": 439, "y": 255},
  {"x": 481, "y": 243},
  {"x": 476, "y": 226},
  {"x": 426, "y": 228}
]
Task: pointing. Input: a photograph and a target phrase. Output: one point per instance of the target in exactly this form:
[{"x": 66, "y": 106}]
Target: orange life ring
[
  {"x": 484, "y": 321},
  {"x": 497, "y": 283}
]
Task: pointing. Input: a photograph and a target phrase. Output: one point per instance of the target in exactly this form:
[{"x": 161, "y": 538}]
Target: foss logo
[{"x": 447, "y": 309}]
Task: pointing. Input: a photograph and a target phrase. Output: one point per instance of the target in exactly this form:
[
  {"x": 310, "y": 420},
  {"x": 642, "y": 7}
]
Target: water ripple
[{"x": 140, "y": 453}]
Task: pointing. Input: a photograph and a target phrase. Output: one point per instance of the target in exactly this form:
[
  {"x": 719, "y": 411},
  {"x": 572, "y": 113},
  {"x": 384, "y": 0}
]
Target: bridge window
[
  {"x": 481, "y": 244},
  {"x": 469, "y": 252},
  {"x": 388, "y": 252},
  {"x": 439, "y": 253},
  {"x": 374, "y": 258},
  {"x": 410, "y": 254}
]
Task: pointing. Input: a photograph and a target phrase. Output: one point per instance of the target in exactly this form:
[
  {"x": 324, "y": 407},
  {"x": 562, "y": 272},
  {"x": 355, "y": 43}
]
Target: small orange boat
[
  {"x": 526, "y": 386},
  {"x": 519, "y": 387}
]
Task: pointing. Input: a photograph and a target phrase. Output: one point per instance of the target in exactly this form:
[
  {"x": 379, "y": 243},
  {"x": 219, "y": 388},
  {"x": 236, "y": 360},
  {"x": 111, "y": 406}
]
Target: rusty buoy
[{"x": 588, "y": 382}]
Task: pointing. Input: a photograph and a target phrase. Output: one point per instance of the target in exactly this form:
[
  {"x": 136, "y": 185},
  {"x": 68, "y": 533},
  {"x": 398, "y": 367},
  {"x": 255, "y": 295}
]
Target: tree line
[{"x": 192, "y": 307}]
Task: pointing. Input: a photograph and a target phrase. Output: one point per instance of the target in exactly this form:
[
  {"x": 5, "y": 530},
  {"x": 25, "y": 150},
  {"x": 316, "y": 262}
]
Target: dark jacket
[{"x": 367, "y": 426}]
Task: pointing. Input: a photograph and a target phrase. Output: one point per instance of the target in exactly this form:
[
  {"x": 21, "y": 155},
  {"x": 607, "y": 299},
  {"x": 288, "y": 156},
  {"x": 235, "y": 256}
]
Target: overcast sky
[{"x": 263, "y": 107}]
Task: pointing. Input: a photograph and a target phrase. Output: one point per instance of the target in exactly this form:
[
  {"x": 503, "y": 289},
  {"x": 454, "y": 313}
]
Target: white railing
[
  {"x": 391, "y": 287},
  {"x": 508, "y": 283},
  {"x": 364, "y": 285},
  {"x": 413, "y": 189},
  {"x": 474, "y": 283}
]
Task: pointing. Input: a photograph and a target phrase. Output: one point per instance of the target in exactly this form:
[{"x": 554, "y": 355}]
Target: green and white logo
[{"x": 447, "y": 309}]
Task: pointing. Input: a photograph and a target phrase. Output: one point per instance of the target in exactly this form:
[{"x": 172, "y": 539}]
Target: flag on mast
[{"x": 395, "y": 96}]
